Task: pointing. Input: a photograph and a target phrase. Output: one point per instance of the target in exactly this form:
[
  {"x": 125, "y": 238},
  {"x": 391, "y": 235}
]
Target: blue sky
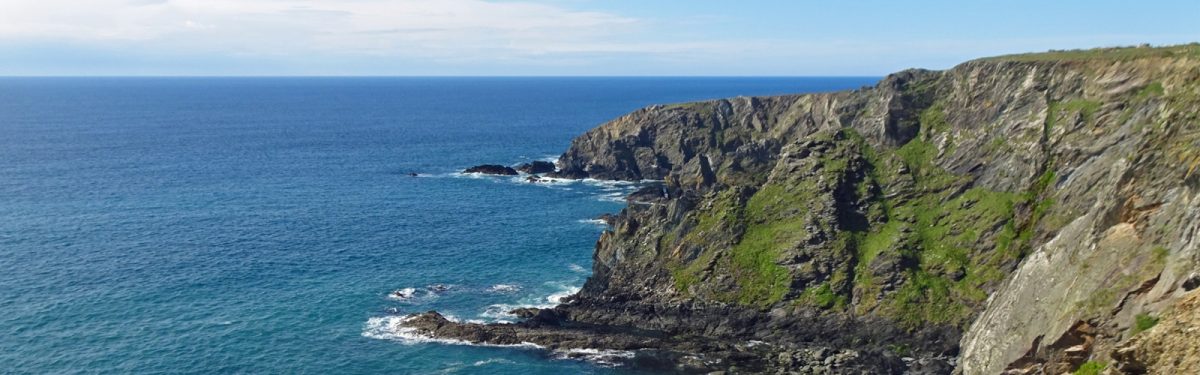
[{"x": 558, "y": 37}]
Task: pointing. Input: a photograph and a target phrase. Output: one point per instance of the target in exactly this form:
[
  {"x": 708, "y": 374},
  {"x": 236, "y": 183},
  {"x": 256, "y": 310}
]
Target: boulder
[
  {"x": 525, "y": 312},
  {"x": 536, "y": 167}
]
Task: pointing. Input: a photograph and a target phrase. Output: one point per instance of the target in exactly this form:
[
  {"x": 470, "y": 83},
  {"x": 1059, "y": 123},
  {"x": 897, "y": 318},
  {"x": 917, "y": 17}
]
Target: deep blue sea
[{"x": 259, "y": 225}]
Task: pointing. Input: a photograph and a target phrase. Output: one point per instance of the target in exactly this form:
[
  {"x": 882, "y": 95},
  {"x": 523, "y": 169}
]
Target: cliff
[{"x": 1023, "y": 213}]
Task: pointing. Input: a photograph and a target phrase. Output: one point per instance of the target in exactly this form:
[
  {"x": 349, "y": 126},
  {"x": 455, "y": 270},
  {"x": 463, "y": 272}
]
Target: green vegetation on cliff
[
  {"x": 1104, "y": 54},
  {"x": 951, "y": 241}
]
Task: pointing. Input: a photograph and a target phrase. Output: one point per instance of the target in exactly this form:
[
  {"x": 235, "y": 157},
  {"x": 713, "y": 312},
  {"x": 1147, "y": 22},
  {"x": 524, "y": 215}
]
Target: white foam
[
  {"x": 456, "y": 319},
  {"x": 405, "y": 294},
  {"x": 418, "y": 295},
  {"x": 577, "y": 268},
  {"x": 557, "y": 298},
  {"x": 393, "y": 328},
  {"x": 593, "y": 222},
  {"x": 504, "y": 288},
  {"x": 604, "y": 357},
  {"x": 501, "y": 312},
  {"x": 612, "y": 197},
  {"x": 491, "y": 361}
]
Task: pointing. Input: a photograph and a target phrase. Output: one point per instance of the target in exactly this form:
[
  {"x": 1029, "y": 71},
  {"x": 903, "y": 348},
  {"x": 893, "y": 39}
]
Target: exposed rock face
[
  {"x": 1015, "y": 212},
  {"x": 1172, "y": 346},
  {"x": 536, "y": 167},
  {"x": 492, "y": 169}
]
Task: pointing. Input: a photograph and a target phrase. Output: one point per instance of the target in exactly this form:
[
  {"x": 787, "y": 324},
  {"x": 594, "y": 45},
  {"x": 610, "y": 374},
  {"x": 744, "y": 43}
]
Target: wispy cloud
[
  {"x": 537, "y": 37},
  {"x": 271, "y": 27}
]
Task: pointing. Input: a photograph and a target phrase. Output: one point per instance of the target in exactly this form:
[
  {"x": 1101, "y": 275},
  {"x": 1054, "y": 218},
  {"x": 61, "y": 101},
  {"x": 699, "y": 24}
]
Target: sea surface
[{"x": 261, "y": 225}]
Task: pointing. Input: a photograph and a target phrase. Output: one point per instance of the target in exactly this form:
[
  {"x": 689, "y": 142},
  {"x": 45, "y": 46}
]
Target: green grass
[
  {"x": 1143, "y": 322},
  {"x": 1086, "y": 108},
  {"x": 934, "y": 118},
  {"x": 1090, "y": 368},
  {"x": 1152, "y": 89},
  {"x": 761, "y": 280},
  {"x": 722, "y": 212},
  {"x": 925, "y": 299},
  {"x": 1111, "y": 53},
  {"x": 939, "y": 226},
  {"x": 824, "y": 297},
  {"x": 876, "y": 241},
  {"x": 1160, "y": 254}
]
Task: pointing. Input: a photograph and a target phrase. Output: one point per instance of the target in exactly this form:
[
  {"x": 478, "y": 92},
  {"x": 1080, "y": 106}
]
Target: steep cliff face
[{"x": 1018, "y": 213}]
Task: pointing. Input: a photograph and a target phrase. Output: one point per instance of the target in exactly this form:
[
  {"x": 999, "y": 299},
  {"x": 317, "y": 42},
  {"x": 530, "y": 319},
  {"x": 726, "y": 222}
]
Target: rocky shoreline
[{"x": 1018, "y": 214}]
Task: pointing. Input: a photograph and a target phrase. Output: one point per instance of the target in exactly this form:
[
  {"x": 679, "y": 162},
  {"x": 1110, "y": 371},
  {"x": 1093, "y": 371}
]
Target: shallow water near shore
[{"x": 262, "y": 225}]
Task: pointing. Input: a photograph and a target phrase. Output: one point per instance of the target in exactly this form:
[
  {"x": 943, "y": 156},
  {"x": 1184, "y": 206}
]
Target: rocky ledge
[
  {"x": 654, "y": 350},
  {"x": 492, "y": 169}
]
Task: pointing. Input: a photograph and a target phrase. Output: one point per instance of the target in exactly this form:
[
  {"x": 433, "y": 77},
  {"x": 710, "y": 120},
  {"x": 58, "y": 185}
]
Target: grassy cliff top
[{"x": 1108, "y": 53}]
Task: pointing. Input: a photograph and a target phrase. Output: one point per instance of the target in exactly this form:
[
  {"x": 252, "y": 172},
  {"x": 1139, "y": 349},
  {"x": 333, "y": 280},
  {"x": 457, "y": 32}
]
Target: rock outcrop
[
  {"x": 1171, "y": 345},
  {"x": 492, "y": 169},
  {"x": 1010, "y": 214},
  {"x": 536, "y": 167}
]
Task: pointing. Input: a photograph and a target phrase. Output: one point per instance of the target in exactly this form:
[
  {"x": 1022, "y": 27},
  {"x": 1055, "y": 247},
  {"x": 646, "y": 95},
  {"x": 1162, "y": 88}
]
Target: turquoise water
[{"x": 258, "y": 225}]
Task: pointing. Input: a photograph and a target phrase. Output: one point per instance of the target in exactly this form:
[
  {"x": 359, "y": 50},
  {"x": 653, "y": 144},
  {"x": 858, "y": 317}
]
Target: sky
[{"x": 559, "y": 37}]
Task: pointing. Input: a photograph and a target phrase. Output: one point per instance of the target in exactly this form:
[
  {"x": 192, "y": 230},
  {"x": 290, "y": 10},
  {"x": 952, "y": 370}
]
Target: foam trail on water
[
  {"x": 392, "y": 328},
  {"x": 504, "y": 288},
  {"x": 602, "y": 357},
  {"x": 500, "y": 312}
]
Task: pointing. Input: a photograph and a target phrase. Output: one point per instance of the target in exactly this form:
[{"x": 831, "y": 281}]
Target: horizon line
[{"x": 436, "y": 76}]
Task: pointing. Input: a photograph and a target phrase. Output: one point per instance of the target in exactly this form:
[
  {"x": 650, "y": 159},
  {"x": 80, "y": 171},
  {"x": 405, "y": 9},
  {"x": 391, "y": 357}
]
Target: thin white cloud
[{"x": 274, "y": 27}]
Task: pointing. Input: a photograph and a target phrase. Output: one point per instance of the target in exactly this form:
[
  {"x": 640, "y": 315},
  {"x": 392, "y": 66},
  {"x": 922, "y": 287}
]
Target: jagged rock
[
  {"x": 1172, "y": 346},
  {"x": 536, "y": 167},
  {"x": 492, "y": 169},
  {"x": 525, "y": 312},
  {"x": 1192, "y": 282},
  {"x": 607, "y": 218},
  {"x": 648, "y": 194}
]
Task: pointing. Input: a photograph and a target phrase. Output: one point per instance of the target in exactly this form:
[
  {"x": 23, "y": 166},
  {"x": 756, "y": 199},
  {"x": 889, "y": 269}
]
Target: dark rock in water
[
  {"x": 492, "y": 169},
  {"x": 402, "y": 294},
  {"x": 438, "y": 288},
  {"x": 571, "y": 174},
  {"x": 525, "y": 312},
  {"x": 536, "y": 167},
  {"x": 412, "y": 174},
  {"x": 533, "y": 179},
  {"x": 649, "y": 349}
]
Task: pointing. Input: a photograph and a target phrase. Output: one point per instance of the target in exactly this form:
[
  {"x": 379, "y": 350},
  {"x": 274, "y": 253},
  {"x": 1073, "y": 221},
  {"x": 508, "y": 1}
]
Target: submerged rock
[{"x": 492, "y": 169}]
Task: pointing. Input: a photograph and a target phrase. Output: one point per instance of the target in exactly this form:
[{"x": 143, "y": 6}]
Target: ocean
[{"x": 261, "y": 225}]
